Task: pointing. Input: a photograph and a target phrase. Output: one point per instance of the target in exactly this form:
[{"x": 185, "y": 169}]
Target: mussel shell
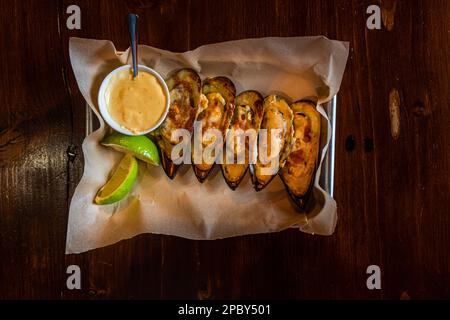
[
  {"x": 254, "y": 100},
  {"x": 187, "y": 81},
  {"x": 233, "y": 184},
  {"x": 301, "y": 200},
  {"x": 261, "y": 181},
  {"x": 169, "y": 167},
  {"x": 226, "y": 88},
  {"x": 221, "y": 85}
]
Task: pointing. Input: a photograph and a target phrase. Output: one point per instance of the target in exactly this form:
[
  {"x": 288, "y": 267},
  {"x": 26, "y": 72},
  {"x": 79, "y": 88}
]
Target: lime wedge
[
  {"x": 120, "y": 183},
  {"x": 139, "y": 146}
]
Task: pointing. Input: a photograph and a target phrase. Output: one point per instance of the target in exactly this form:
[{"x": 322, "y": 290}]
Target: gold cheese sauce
[{"x": 135, "y": 104}]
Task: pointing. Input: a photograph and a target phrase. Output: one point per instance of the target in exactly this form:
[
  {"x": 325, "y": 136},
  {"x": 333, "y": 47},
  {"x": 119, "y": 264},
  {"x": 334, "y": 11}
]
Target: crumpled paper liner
[{"x": 298, "y": 67}]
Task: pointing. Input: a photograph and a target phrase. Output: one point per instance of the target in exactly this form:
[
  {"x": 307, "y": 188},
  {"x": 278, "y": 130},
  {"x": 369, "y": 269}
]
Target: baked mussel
[
  {"x": 299, "y": 171},
  {"x": 242, "y": 134},
  {"x": 274, "y": 141},
  {"x": 217, "y": 108},
  {"x": 185, "y": 90}
]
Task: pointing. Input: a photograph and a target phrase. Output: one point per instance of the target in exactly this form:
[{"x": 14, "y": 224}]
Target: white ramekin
[{"x": 103, "y": 104}]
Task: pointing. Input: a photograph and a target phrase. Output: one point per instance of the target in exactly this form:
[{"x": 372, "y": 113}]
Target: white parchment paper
[{"x": 298, "y": 67}]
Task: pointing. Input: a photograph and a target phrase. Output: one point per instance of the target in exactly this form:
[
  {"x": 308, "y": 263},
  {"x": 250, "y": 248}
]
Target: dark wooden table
[{"x": 392, "y": 178}]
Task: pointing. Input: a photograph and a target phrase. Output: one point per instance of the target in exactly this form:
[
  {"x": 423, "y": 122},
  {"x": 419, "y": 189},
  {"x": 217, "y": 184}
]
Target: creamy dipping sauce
[{"x": 136, "y": 104}]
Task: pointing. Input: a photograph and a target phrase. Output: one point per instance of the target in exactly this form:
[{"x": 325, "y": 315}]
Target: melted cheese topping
[
  {"x": 300, "y": 165},
  {"x": 212, "y": 116}
]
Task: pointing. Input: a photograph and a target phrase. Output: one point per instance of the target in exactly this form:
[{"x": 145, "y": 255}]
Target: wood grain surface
[{"x": 392, "y": 181}]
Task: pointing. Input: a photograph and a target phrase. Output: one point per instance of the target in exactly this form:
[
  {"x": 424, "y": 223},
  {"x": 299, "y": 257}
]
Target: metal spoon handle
[{"x": 132, "y": 26}]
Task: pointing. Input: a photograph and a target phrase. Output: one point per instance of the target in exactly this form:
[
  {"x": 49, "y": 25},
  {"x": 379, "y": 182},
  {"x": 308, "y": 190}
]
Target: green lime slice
[
  {"x": 120, "y": 183},
  {"x": 139, "y": 146}
]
